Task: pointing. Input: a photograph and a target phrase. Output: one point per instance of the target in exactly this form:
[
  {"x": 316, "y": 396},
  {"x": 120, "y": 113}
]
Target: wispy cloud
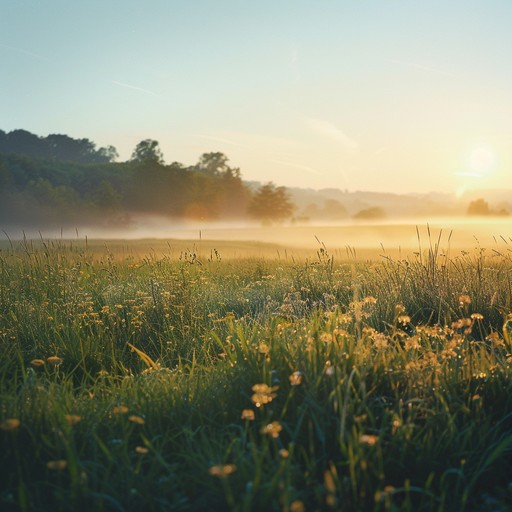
[
  {"x": 301, "y": 167},
  {"x": 331, "y": 131},
  {"x": 419, "y": 66},
  {"x": 25, "y": 52},
  {"x": 135, "y": 88},
  {"x": 221, "y": 140}
]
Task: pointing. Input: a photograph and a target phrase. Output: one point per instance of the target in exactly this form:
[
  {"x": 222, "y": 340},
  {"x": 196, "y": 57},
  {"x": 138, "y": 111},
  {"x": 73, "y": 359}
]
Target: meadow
[{"x": 177, "y": 376}]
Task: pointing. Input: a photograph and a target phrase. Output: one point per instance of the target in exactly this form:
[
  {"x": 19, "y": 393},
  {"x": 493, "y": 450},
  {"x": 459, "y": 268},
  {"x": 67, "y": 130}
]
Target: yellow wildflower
[
  {"x": 272, "y": 429},
  {"x": 247, "y": 414},
  {"x": 72, "y": 419},
  {"x": 57, "y": 465},
  {"x": 263, "y": 394},
  {"x": 222, "y": 471},
  {"x": 10, "y": 424},
  {"x": 120, "y": 409},
  {"x": 368, "y": 439},
  {"x": 136, "y": 419},
  {"x": 55, "y": 360},
  {"x": 295, "y": 378}
]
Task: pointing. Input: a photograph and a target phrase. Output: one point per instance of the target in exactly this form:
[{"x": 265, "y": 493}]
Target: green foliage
[
  {"x": 55, "y": 147},
  {"x": 270, "y": 203},
  {"x": 53, "y": 193},
  {"x": 148, "y": 151},
  {"x": 199, "y": 383}
]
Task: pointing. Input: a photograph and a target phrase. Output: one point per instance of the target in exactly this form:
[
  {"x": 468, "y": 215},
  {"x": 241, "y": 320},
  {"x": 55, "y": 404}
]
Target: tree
[
  {"x": 479, "y": 207},
  {"x": 108, "y": 153},
  {"x": 216, "y": 164},
  {"x": 148, "y": 150},
  {"x": 270, "y": 203},
  {"x": 372, "y": 213}
]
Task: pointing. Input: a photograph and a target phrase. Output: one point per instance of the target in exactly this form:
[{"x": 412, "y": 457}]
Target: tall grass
[{"x": 198, "y": 383}]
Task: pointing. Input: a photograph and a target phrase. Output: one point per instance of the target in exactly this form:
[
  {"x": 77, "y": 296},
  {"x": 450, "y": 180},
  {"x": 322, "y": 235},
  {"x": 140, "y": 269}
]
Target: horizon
[{"x": 388, "y": 98}]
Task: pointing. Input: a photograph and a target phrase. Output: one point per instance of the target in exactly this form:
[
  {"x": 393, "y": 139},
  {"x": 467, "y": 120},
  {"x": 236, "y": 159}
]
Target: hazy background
[{"x": 398, "y": 96}]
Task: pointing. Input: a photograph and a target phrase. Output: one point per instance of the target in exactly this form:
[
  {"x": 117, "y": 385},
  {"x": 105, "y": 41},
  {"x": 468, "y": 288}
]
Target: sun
[{"x": 481, "y": 161}]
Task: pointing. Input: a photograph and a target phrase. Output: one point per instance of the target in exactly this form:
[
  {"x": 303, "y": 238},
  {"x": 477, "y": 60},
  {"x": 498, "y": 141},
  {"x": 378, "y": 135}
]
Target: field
[{"x": 207, "y": 375}]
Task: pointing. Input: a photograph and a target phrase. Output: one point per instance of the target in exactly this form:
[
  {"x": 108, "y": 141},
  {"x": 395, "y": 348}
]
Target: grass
[{"x": 192, "y": 381}]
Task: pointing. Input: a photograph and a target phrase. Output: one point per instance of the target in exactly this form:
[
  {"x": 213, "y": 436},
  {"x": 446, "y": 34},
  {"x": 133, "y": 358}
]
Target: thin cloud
[
  {"x": 298, "y": 166},
  {"x": 135, "y": 88},
  {"x": 25, "y": 52},
  {"x": 331, "y": 131},
  {"x": 418, "y": 66},
  {"x": 222, "y": 140}
]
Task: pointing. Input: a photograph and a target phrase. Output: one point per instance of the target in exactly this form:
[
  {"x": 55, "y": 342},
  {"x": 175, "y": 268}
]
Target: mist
[{"x": 393, "y": 237}]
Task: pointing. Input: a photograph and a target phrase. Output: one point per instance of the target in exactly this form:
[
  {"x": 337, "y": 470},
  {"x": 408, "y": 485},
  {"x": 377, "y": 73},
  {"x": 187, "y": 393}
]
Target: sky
[{"x": 383, "y": 95}]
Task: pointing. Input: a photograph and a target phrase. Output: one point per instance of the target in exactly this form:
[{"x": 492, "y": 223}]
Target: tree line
[{"x": 60, "y": 181}]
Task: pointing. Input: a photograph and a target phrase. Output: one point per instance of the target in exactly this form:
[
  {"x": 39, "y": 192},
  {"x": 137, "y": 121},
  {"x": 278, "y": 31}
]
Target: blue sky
[{"x": 395, "y": 95}]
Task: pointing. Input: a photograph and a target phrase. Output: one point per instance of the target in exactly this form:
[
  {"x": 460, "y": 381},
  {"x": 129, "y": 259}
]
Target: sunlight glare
[{"x": 481, "y": 161}]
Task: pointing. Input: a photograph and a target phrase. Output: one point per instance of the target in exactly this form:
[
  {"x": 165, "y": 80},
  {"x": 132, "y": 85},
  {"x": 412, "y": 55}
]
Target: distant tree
[
  {"x": 270, "y": 203},
  {"x": 334, "y": 210},
  {"x": 109, "y": 153},
  {"x": 23, "y": 142},
  {"x": 148, "y": 150},
  {"x": 213, "y": 164},
  {"x": 479, "y": 207},
  {"x": 372, "y": 213}
]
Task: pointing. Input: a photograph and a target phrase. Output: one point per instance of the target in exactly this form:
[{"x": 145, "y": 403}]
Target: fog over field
[{"x": 392, "y": 238}]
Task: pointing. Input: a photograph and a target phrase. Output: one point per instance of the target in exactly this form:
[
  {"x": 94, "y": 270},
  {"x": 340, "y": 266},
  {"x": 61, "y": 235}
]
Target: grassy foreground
[{"x": 197, "y": 383}]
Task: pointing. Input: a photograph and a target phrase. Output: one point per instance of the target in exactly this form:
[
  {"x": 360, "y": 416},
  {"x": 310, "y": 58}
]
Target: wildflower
[
  {"x": 72, "y": 419},
  {"x": 297, "y": 506},
  {"x": 120, "y": 409},
  {"x": 263, "y": 394},
  {"x": 495, "y": 340},
  {"x": 380, "y": 341},
  {"x": 385, "y": 495},
  {"x": 57, "y": 465},
  {"x": 284, "y": 453},
  {"x": 295, "y": 378},
  {"x": 37, "y": 362},
  {"x": 247, "y": 414},
  {"x": 272, "y": 429},
  {"x": 263, "y": 348},
  {"x": 222, "y": 471},
  {"x": 412, "y": 343},
  {"x": 477, "y": 316},
  {"x": 10, "y": 424},
  {"x": 329, "y": 370},
  {"x": 464, "y": 300},
  {"x": 55, "y": 360},
  {"x": 368, "y": 439},
  {"x": 329, "y": 481},
  {"x": 136, "y": 419},
  {"x": 326, "y": 337},
  {"x": 141, "y": 450},
  {"x": 404, "y": 319}
]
